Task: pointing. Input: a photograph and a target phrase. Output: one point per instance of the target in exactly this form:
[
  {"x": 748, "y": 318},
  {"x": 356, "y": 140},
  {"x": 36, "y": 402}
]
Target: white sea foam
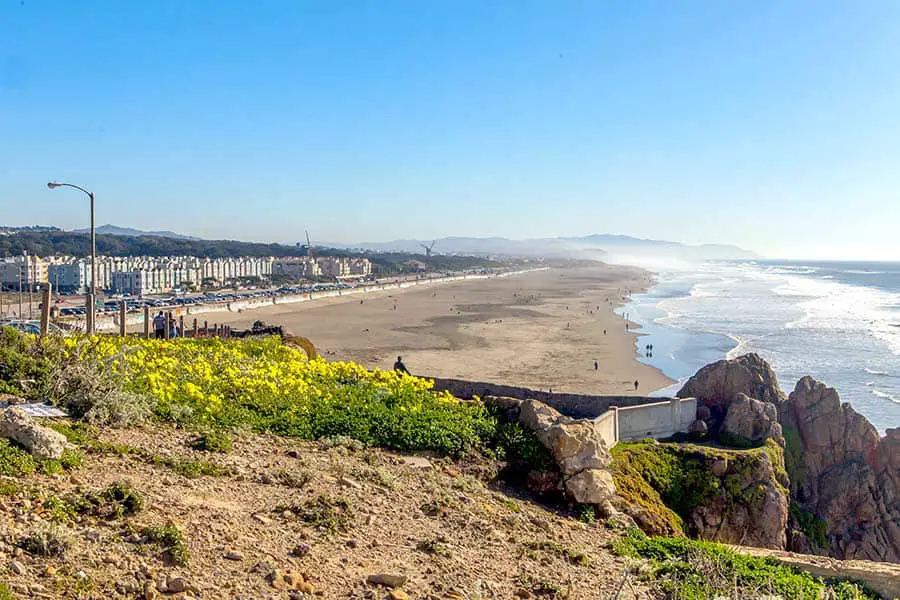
[
  {"x": 885, "y": 395},
  {"x": 874, "y": 372}
]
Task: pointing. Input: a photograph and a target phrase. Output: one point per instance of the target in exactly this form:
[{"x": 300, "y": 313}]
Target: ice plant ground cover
[{"x": 265, "y": 385}]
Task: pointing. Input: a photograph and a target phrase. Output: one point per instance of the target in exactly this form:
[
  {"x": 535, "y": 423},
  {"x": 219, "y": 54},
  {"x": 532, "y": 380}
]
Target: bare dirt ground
[
  {"x": 542, "y": 329},
  {"x": 440, "y": 527}
]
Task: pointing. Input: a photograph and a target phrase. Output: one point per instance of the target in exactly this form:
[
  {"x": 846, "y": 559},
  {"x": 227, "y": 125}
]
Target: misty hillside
[
  {"x": 129, "y": 231},
  {"x": 599, "y": 246}
]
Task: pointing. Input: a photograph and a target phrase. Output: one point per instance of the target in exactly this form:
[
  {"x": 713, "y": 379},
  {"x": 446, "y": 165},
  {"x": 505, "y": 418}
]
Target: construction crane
[{"x": 428, "y": 248}]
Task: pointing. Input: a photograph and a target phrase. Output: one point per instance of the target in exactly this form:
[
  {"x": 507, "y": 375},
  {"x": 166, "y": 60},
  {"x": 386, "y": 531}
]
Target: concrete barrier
[
  {"x": 657, "y": 420},
  {"x": 617, "y": 418}
]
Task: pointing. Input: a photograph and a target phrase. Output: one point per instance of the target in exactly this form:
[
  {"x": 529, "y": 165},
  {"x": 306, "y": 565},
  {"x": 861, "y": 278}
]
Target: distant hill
[
  {"x": 613, "y": 248},
  {"x": 129, "y": 231}
]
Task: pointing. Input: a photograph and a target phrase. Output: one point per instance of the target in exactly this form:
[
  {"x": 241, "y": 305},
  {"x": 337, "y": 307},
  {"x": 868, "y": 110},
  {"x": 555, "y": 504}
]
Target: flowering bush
[{"x": 268, "y": 386}]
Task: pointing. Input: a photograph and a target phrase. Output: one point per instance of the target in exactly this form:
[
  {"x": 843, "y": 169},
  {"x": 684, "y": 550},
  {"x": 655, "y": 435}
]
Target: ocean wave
[
  {"x": 886, "y": 396},
  {"x": 875, "y": 372}
]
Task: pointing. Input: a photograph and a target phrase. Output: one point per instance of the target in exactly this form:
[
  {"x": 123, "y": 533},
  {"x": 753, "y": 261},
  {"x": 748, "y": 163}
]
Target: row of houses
[{"x": 142, "y": 275}]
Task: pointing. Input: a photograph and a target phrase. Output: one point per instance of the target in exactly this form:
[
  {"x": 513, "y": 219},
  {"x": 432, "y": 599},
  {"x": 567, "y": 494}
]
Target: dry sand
[{"x": 541, "y": 329}]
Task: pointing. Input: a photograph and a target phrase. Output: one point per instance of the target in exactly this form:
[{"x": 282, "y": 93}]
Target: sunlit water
[{"x": 839, "y": 322}]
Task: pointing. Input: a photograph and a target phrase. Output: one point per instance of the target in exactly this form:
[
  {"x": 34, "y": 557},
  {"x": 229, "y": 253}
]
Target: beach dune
[{"x": 542, "y": 329}]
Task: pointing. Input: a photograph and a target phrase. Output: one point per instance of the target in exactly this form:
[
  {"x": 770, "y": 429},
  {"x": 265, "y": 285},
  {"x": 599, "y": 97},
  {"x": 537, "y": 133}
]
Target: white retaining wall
[{"x": 657, "y": 420}]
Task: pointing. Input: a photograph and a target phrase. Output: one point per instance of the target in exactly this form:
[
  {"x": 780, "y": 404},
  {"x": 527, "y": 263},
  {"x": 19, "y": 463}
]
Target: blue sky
[{"x": 772, "y": 125}]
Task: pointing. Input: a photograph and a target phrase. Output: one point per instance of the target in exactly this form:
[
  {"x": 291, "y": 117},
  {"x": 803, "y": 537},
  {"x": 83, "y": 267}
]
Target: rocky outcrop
[
  {"x": 843, "y": 473},
  {"x": 718, "y": 384},
  {"x": 750, "y": 422},
  {"x": 577, "y": 448},
  {"x": 41, "y": 442},
  {"x": 751, "y": 510}
]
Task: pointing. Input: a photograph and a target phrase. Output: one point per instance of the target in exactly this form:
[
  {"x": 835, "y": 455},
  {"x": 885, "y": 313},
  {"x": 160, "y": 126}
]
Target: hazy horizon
[{"x": 769, "y": 126}]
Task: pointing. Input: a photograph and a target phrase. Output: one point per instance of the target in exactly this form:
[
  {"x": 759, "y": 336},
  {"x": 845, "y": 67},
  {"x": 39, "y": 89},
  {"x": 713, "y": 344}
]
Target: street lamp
[{"x": 91, "y": 306}]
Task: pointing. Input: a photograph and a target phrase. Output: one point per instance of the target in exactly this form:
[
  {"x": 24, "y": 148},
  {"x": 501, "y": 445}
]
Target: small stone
[
  {"x": 417, "y": 462},
  {"x": 351, "y": 483},
  {"x": 17, "y": 568},
  {"x": 50, "y": 571},
  {"x": 301, "y": 550},
  {"x": 178, "y": 584},
  {"x": 294, "y": 453},
  {"x": 387, "y": 580},
  {"x": 352, "y": 543},
  {"x": 262, "y": 519},
  {"x": 111, "y": 559},
  {"x": 234, "y": 555},
  {"x": 523, "y": 593},
  {"x": 398, "y": 595},
  {"x": 150, "y": 592}
]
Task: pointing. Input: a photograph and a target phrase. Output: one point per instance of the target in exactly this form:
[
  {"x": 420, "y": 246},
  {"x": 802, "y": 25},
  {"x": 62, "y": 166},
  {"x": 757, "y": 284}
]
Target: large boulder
[
  {"x": 578, "y": 449},
  {"x": 718, "y": 384},
  {"x": 750, "y": 422},
  {"x": 41, "y": 442},
  {"x": 843, "y": 472},
  {"x": 753, "y": 513}
]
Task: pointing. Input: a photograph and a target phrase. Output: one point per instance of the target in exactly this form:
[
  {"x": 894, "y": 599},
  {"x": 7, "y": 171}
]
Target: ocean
[{"x": 836, "y": 321}]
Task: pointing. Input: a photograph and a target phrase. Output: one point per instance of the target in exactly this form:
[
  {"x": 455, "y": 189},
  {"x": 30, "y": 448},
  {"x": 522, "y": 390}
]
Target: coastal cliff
[{"x": 844, "y": 480}]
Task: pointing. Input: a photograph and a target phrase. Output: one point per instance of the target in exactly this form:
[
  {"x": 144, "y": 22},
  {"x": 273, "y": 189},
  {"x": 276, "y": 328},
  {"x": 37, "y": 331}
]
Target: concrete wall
[
  {"x": 578, "y": 406},
  {"x": 656, "y": 420},
  {"x": 616, "y": 418},
  {"x": 607, "y": 426}
]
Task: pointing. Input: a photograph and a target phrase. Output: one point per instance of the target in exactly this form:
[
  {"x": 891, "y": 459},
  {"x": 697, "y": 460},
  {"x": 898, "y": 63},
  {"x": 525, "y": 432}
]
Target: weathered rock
[
  {"x": 751, "y": 421},
  {"x": 301, "y": 550},
  {"x": 234, "y": 555},
  {"x": 716, "y": 385},
  {"x": 843, "y": 472},
  {"x": 289, "y": 580},
  {"x": 576, "y": 444},
  {"x": 387, "y": 580},
  {"x": 578, "y": 449},
  {"x": 544, "y": 481},
  {"x": 41, "y": 442},
  {"x": 698, "y": 427},
  {"x": 591, "y": 486},
  {"x": 177, "y": 585},
  {"x": 703, "y": 412},
  {"x": 755, "y": 513}
]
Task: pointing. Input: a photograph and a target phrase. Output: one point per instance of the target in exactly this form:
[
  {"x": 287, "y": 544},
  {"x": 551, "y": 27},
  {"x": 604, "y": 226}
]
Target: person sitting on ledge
[{"x": 399, "y": 366}]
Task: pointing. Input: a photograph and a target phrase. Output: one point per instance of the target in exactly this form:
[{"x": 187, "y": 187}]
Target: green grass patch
[
  {"x": 685, "y": 569},
  {"x": 5, "y": 592},
  {"x": 214, "y": 441},
  {"x": 15, "y": 461},
  {"x": 815, "y": 528},
  {"x": 191, "y": 468},
  {"x": 170, "y": 541}
]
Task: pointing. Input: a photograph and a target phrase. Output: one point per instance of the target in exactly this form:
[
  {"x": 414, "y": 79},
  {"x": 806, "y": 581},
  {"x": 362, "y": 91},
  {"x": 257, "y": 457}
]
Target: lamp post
[{"x": 91, "y": 299}]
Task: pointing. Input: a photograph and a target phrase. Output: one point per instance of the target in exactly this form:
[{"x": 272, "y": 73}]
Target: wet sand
[{"x": 541, "y": 329}]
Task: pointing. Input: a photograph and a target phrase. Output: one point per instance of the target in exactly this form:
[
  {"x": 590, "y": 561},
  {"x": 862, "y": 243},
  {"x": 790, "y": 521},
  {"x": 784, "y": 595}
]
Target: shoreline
[{"x": 541, "y": 329}]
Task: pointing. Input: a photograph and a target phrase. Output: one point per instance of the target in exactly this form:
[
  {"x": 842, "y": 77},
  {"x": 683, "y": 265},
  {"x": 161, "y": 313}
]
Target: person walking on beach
[
  {"x": 635, "y": 385},
  {"x": 399, "y": 366},
  {"x": 596, "y": 365},
  {"x": 159, "y": 325}
]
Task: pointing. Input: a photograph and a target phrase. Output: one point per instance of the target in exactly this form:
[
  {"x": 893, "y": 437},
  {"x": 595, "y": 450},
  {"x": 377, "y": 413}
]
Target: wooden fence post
[
  {"x": 45, "y": 310},
  {"x": 146, "y": 322},
  {"x": 181, "y": 326},
  {"x": 123, "y": 309},
  {"x": 195, "y": 326},
  {"x": 168, "y": 325}
]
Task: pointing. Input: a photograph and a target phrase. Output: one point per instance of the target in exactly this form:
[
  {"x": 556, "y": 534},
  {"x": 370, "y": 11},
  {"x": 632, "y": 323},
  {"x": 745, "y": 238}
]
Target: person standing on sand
[
  {"x": 596, "y": 365},
  {"x": 399, "y": 366},
  {"x": 635, "y": 385},
  {"x": 159, "y": 325}
]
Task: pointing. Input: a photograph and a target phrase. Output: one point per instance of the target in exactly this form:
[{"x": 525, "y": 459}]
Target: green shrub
[
  {"x": 170, "y": 541},
  {"x": 45, "y": 541},
  {"x": 5, "y": 592},
  {"x": 515, "y": 444},
  {"x": 214, "y": 441},
  {"x": 327, "y": 514},
  {"x": 692, "y": 570},
  {"x": 191, "y": 468},
  {"x": 814, "y": 527}
]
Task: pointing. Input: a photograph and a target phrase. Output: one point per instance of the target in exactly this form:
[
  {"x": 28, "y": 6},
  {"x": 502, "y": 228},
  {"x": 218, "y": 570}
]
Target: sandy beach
[{"x": 542, "y": 329}]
